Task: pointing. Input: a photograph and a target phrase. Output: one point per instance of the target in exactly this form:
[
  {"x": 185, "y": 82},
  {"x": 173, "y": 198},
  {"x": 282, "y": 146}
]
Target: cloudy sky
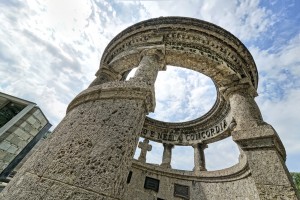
[{"x": 50, "y": 51}]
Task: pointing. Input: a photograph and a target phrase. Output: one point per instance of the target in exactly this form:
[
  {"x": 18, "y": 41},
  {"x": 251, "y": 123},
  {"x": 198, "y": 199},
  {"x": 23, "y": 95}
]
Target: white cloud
[
  {"x": 279, "y": 92},
  {"x": 221, "y": 154},
  {"x": 245, "y": 19},
  {"x": 183, "y": 158},
  {"x": 53, "y": 49},
  {"x": 284, "y": 117},
  {"x": 182, "y": 95}
]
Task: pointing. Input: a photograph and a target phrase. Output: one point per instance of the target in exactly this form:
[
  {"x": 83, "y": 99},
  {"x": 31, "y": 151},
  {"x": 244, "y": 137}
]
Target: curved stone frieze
[
  {"x": 188, "y": 136},
  {"x": 235, "y": 172},
  {"x": 212, "y": 126},
  {"x": 189, "y": 43}
]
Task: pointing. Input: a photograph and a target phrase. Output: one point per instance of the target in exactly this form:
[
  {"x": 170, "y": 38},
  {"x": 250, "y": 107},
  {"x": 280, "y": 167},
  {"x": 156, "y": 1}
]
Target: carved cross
[{"x": 144, "y": 146}]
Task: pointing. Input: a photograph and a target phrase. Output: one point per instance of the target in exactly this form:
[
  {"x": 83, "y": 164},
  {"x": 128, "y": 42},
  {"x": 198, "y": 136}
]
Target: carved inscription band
[{"x": 184, "y": 137}]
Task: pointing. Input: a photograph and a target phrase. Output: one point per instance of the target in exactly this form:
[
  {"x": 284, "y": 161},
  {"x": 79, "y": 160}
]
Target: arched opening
[
  {"x": 181, "y": 94},
  {"x": 221, "y": 154},
  {"x": 183, "y": 158},
  {"x": 154, "y": 156}
]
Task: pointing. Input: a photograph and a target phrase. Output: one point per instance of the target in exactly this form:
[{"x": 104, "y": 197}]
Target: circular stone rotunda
[{"x": 90, "y": 153}]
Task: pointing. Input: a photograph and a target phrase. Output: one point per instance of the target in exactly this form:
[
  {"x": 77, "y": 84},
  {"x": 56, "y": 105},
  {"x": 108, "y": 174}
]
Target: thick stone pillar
[
  {"x": 199, "y": 158},
  {"x": 167, "y": 155},
  {"x": 261, "y": 145},
  {"x": 244, "y": 109},
  {"x": 145, "y": 147},
  {"x": 89, "y": 154}
]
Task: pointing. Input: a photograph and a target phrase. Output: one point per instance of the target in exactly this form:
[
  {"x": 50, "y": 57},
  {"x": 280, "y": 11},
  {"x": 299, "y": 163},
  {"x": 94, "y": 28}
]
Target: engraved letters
[{"x": 178, "y": 136}]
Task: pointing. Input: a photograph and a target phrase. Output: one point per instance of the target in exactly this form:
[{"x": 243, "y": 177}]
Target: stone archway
[{"x": 91, "y": 150}]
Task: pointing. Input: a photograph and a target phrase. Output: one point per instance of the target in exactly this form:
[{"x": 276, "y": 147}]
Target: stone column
[
  {"x": 199, "y": 158},
  {"x": 145, "y": 147},
  {"x": 167, "y": 155},
  {"x": 244, "y": 108},
  {"x": 261, "y": 145},
  {"x": 89, "y": 154},
  {"x": 151, "y": 63}
]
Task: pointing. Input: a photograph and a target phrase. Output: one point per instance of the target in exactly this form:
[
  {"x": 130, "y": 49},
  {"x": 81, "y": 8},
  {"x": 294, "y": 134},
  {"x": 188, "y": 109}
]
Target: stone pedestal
[
  {"x": 90, "y": 152},
  {"x": 261, "y": 145},
  {"x": 266, "y": 158}
]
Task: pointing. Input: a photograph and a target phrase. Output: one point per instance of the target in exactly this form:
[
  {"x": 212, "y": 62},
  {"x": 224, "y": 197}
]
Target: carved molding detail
[{"x": 117, "y": 89}]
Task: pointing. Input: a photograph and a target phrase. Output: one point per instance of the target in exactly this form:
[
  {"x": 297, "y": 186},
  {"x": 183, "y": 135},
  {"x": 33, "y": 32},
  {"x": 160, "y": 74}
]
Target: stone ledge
[
  {"x": 236, "y": 172},
  {"x": 263, "y": 136},
  {"x": 117, "y": 89}
]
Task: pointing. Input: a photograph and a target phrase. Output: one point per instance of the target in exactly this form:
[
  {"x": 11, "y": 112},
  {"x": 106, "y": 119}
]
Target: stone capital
[
  {"x": 105, "y": 75},
  {"x": 200, "y": 145},
  {"x": 168, "y": 145},
  {"x": 157, "y": 51},
  {"x": 243, "y": 88}
]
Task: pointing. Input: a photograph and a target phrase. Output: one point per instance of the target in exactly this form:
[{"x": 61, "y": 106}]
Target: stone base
[
  {"x": 33, "y": 187},
  {"x": 266, "y": 159}
]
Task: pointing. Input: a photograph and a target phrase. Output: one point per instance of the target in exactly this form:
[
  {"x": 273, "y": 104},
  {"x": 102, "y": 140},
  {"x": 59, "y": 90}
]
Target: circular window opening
[{"x": 182, "y": 95}]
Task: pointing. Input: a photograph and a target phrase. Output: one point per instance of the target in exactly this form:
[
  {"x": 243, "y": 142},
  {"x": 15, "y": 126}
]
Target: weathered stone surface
[
  {"x": 269, "y": 192},
  {"x": 90, "y": 153},
  {"x": 204, "y": 186}
]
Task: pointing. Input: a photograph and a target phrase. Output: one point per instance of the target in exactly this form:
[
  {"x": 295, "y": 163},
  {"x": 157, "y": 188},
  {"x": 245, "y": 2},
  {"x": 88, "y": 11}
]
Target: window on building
[{"x": 8, "y": 111}]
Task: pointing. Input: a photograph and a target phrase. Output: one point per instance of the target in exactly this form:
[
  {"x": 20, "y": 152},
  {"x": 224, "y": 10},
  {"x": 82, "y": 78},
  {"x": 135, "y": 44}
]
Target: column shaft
[
  {"x": 244, "y": 110},
  {"x": 167, "y": 155},
  {"x": 149, "y": 66},
  {"x": 199, "y": 158}
]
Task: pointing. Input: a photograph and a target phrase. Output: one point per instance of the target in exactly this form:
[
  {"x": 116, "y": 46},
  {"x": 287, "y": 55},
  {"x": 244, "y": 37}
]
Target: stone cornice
[
  {"x": 242, "y": 87},
  {"x": 116, "y": 89},
  {"x": 236, "y": 172},
  {"x": 189, "y": 35}
]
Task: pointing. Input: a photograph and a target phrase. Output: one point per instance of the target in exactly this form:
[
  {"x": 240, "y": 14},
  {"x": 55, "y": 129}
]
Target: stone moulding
[
  {"x": 235, "y": 172},
  {"x": 124, "y": 90},
  {"x": 184, "y": 36}
]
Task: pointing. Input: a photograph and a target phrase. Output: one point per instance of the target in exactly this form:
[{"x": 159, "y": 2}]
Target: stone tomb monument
[{"x": 90, "y": 153}]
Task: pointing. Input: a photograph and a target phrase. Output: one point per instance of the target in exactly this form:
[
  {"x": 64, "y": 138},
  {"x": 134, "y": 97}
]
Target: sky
[{"x": 51, "y": 49}]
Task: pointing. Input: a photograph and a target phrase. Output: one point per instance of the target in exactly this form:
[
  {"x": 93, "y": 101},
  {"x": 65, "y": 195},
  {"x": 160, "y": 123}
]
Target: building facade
[{"x": 22, "y": 125}]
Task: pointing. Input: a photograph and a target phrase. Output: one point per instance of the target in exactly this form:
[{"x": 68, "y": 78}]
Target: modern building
[{"x": 22, "y": 125}]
